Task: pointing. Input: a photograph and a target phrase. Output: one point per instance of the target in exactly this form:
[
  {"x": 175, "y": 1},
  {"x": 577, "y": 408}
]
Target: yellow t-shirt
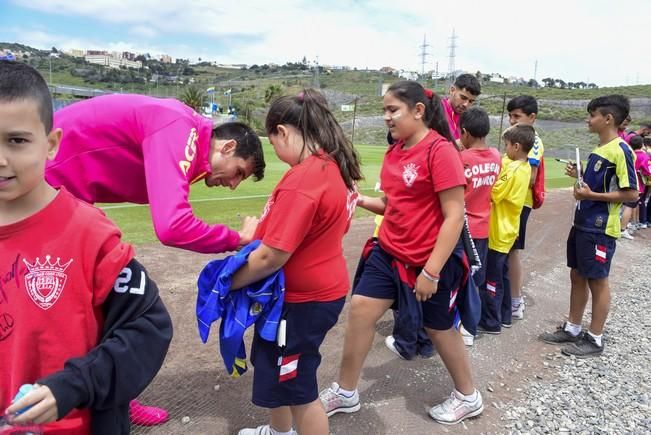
[
  {"x": 507, "y": 197},
  {"x": 378, "y": 222},
  {"x": 535, "y": 154}
]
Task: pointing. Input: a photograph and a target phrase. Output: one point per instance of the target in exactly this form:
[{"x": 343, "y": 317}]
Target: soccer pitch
[{"x": 222, "y": 205}]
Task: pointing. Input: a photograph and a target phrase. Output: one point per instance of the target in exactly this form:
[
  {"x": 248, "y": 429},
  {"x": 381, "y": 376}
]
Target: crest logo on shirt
[
  {"x": 267, "y": 208},
  {"x": 409, "y": 174},
  {"x": 255, "y": 309},
  {"x": 45, "y": 281},
  {"x": 597, "y": 166},
  {"x": 351, "y": 202}
]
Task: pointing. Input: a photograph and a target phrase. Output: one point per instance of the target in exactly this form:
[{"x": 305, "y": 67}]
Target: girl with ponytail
[
  {"x": 418, "y": 261},
  {"x": 301, "y": 229}
]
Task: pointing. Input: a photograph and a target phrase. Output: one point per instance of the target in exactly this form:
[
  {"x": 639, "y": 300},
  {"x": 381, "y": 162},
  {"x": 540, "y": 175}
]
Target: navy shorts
[
  {"x": 378, "y": 281},
  {"x": 524, "y": 218},
  {"x": 482, "y": 249},
  {"x": 495, "y": 293},
  {"x": 590, "y": 253},
  {"x": 287, "y": 376}
]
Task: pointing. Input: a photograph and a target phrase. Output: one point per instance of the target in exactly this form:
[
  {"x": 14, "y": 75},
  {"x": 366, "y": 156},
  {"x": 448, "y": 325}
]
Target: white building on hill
[{"x": 112, "y": 61}]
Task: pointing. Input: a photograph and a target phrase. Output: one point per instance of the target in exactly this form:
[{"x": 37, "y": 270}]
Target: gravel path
[{"x": 606, "y": 395}]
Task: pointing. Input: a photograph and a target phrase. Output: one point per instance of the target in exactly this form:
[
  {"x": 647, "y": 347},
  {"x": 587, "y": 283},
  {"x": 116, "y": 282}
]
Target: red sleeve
[
  {"x": 112, "y": 257},
  {"x": 289, "y": 221},
  {"x": 446, "y": 166}
]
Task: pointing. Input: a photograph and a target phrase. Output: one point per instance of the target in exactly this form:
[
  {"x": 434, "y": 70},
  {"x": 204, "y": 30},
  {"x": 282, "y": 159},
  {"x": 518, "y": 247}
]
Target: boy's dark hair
[
  {"x": 309, "y": 113},
  {"x": 618, "y": 106},
  {"x": 647, "y": 140},
  {"x": 476, "y": 122},
  {"x": 248, "y": 144},
  {"x": 526, "y": 103},
  {"x": 19, "y": 81},
  {"x": 469, "y": 83},
  {"x": 636, "y": 142},
  {"x": 520, "y": 133},
  {"x": 412, "y": 93}
]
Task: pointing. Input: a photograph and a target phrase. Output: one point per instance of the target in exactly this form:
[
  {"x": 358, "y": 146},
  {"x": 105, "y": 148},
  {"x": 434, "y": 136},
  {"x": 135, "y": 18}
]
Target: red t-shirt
[
  {"x": 413, "y": 216},
  {"x": 307, "y": 215},
  {"x": 56, "y": 269},
  {"x": 481, "y": 168}
]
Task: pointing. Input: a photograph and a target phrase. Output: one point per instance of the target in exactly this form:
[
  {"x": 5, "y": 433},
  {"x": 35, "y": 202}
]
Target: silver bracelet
[{"x": 428, "y": 276}]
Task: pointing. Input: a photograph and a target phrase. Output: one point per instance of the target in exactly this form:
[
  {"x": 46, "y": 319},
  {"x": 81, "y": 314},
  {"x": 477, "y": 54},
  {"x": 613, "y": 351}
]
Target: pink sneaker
[{"x": 146, "y": 415}]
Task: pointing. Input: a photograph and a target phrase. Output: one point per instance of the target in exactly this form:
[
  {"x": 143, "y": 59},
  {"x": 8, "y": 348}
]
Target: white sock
[
  {"x": 346, "y": 393},
  {"x": 275, "y": 432},
  {"x": 572, "y": 328},
  {"x": 469, "y": 398},
  {"x": 515, "y": 302},
  {"x": 597, "y": 338}
]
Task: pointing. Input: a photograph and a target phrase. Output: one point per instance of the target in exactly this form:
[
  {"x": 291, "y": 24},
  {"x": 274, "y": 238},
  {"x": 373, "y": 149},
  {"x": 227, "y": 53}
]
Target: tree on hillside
[
  {"x": 193, "y": 97},
  {"x": 533, "y": 83},
  {"x": 246, "y": 109},
  {"x": 272, "y": 92},
  {"x": 549, "y": 82}
]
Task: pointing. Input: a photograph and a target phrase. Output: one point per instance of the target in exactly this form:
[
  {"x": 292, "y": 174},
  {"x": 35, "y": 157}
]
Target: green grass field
[{"x": 220, "y": 205}]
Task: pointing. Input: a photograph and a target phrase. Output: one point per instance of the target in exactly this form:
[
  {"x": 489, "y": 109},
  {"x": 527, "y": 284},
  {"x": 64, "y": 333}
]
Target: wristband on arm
[{"x": 432, "y": 277}]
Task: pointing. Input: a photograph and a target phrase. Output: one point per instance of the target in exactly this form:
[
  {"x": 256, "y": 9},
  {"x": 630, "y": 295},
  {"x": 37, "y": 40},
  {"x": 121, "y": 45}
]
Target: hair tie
[{"x": 429, "y": 93}]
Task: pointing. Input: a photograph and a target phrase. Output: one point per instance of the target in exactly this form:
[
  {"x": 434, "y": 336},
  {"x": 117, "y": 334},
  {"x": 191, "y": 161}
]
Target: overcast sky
[{"x": 600, "y": 41}]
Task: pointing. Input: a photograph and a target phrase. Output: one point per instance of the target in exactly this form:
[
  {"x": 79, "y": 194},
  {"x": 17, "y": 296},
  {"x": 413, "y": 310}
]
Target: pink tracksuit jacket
[{"x": 133, "y": 148}]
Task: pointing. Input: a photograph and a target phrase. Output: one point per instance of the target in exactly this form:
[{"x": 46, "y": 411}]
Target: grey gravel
[{"x": 610, "y": 394}]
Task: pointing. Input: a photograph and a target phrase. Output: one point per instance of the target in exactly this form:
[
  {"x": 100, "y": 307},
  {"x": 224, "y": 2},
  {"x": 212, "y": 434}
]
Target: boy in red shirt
[
  {"x": 80, "y": 317},
  {"x": 481, "y": 165}
]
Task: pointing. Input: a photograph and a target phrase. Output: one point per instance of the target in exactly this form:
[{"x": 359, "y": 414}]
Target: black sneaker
[
  {"x": 507, "y": 325},
  {"x": 481, "y": 330},
  {"x": 585, "y": 348},
  {"x": 559, "y": 336}
]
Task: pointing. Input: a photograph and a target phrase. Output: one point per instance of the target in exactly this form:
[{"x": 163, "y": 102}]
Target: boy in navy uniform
[{"x": 608, "y": 180}]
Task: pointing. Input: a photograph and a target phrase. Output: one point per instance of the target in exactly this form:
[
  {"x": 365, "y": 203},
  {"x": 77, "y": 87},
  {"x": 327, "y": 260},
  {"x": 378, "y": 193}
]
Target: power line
[
  {"x": 452, "y": 55},
  {"x": 423, "y": 55}
]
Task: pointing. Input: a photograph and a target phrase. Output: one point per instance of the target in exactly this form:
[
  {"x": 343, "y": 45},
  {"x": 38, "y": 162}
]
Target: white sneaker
[
  {"x": 260, "y": 430},
  {"x": 643, "y": 226},
  {"x": 627, "y": 235},
  {"x": 335, "y": 402},
  {"x": 454, "y": 410},
  {"x": 517, "y": 313},
  {"x": 390, "y": 342},
  {"x": 468, "y": 338}
]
